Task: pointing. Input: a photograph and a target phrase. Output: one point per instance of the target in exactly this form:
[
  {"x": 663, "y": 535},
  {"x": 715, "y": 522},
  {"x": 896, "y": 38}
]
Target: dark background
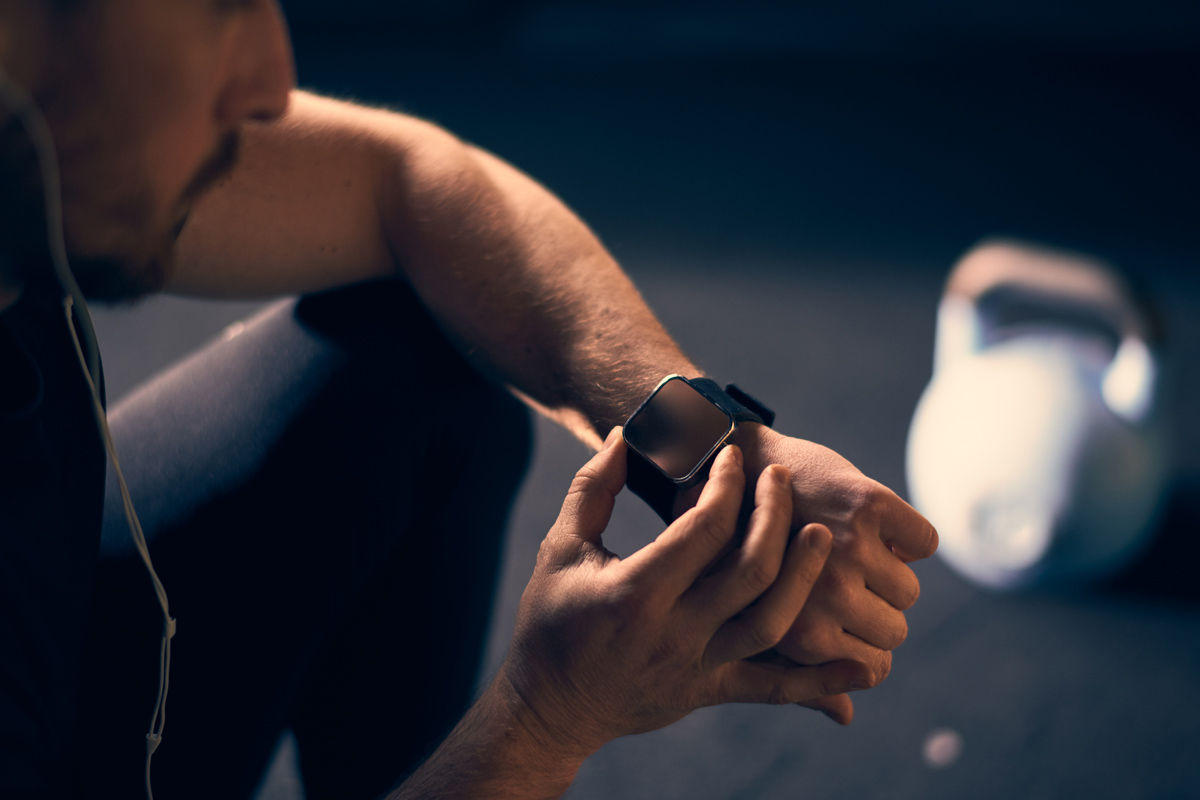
[{"x": 788, "y": 183}]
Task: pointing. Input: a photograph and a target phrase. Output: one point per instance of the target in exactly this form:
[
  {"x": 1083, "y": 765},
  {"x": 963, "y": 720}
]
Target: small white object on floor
[{"x": 942, "y": 748}]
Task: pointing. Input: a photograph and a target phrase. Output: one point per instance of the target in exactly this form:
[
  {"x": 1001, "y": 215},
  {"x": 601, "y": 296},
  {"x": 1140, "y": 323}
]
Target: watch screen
[{"x": 677, "y": 429}]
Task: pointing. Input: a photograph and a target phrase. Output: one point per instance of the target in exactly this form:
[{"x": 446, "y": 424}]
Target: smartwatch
[{"x": 675, "y": 434}]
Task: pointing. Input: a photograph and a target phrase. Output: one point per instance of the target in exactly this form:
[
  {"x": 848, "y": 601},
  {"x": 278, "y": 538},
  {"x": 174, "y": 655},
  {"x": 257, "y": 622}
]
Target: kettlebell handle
[
  {"x": 1051, "y": 275},
  {"x": 1069, "y": 281}
]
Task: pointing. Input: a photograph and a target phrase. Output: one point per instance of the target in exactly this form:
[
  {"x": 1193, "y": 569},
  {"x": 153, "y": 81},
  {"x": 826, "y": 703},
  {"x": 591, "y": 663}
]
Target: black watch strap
[
  {"x": 741, "y": 406},
  {"x": 652, "y": 486}
]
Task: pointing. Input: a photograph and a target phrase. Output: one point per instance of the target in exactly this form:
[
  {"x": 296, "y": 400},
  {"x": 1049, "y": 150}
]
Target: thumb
[{"x": 590, "y": 500}]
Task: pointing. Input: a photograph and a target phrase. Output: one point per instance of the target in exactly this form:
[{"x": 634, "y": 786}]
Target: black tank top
[{"x": 51, "y": 502}]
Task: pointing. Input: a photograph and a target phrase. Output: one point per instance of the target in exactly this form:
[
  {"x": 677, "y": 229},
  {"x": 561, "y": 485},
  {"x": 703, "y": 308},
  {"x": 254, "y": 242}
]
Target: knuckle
[
  {"x": 874, "y": 509},
  {"x": 874, "y": 500},
  {"x": 881, "y": 667},
  {"x": 838, "y": 584},
  {"x": 779, "y": 694},
  {"x": 863, "y": 547},
  {"x": 758, "y": 639},
  {"x": 548, "y": 557},
  {"x": 545, "y": 550},
  {"x": 705, "y": 525},
  {"x": 830, "y": 685},
  {"x": 756, "y": 576},
  {"x": 806, "y": 644},
  {"x": 584, "y": 481}
]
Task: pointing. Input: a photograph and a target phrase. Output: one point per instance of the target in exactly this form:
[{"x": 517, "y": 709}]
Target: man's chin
[
  {"x": 129, "y": 278},
  {"x": 108, "y": 280}
]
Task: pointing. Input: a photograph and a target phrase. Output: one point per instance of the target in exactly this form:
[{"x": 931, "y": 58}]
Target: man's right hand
[{"x": 606, "y": 647}]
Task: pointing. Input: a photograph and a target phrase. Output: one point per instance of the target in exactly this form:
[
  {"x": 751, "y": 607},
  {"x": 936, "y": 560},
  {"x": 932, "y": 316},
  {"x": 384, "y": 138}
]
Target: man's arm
[{"x": 335, "y": 193}]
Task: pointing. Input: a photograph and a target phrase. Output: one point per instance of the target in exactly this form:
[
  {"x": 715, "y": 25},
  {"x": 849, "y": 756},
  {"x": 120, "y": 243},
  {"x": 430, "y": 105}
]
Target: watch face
[{"x": 677, "y": 429}]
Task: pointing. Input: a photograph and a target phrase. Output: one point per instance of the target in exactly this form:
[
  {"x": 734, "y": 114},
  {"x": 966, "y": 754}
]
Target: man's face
[{"x": 145, "y": 99}]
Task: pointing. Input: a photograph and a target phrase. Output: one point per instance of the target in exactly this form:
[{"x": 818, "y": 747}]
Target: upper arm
[
  {"x": 300, "y": 212},
  {"x": 334, "y": 193}
]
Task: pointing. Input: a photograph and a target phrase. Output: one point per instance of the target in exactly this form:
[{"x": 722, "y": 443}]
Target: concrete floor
[{"x": 792, "y": 225}]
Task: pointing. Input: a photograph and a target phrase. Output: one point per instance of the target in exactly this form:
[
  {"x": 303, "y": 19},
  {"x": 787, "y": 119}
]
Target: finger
[
  {"x": 906, "y": 533},
  {"x": 893, "y": 580},
  {"x": 873, "y": 620},
  {"x": 755, "y": 682},
  {"x": 685, "y": 549},
  {"x": 837, "y": 707},
  {"x": 816, "y": 639},
  {"x": 878, "y": 661},
  {"x": 762, "y": 626},
  {"x": 589, "y": 503},
  {"x": 748, "y": 571}
]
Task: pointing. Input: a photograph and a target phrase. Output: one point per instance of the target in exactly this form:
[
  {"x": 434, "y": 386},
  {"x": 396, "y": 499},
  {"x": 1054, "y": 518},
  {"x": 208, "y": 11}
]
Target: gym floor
[{"x": 791, "y": 217}]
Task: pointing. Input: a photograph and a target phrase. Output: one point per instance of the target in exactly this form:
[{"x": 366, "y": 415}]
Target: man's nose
[{"x": 265, "y": 73}]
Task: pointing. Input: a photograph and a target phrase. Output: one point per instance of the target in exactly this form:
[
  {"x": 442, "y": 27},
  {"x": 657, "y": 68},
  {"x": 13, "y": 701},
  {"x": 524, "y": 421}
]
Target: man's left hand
[{"x": 856, "y": 608}]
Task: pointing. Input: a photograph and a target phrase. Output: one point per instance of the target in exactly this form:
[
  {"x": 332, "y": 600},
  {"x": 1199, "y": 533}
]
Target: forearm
[
  {"x": 525, "y": 286},
  {"x": 494, "y": 752},
  {"x": 336, "y": 193}
]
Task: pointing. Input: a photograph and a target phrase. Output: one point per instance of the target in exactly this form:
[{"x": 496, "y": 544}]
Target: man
[{"x": 324, "y": 493}]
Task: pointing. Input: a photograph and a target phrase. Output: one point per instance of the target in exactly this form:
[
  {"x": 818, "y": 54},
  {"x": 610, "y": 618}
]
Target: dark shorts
[{"x": 325, "y": 494}]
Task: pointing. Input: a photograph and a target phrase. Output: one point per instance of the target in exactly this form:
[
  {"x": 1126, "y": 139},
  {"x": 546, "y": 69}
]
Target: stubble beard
[
  {"x": 126, "y": 278},
  {"x": 143, "y": 268},
  {"x": 120, "y": 242}
]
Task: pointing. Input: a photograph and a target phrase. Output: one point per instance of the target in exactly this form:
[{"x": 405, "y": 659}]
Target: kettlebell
[{"x": 1038, "y": 449}]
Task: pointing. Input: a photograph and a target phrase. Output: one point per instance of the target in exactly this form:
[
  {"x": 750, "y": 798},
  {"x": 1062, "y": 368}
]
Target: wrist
[
  {"x": 677, "y": 431},
  {"x": 492, "y": 752},
  {"x": 532, "y": 730},
  {"x": 756, "y": 442}
]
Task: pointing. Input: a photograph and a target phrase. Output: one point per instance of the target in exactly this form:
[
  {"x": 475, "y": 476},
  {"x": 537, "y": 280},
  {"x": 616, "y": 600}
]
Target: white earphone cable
[{"x": 75, "y": 308}]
